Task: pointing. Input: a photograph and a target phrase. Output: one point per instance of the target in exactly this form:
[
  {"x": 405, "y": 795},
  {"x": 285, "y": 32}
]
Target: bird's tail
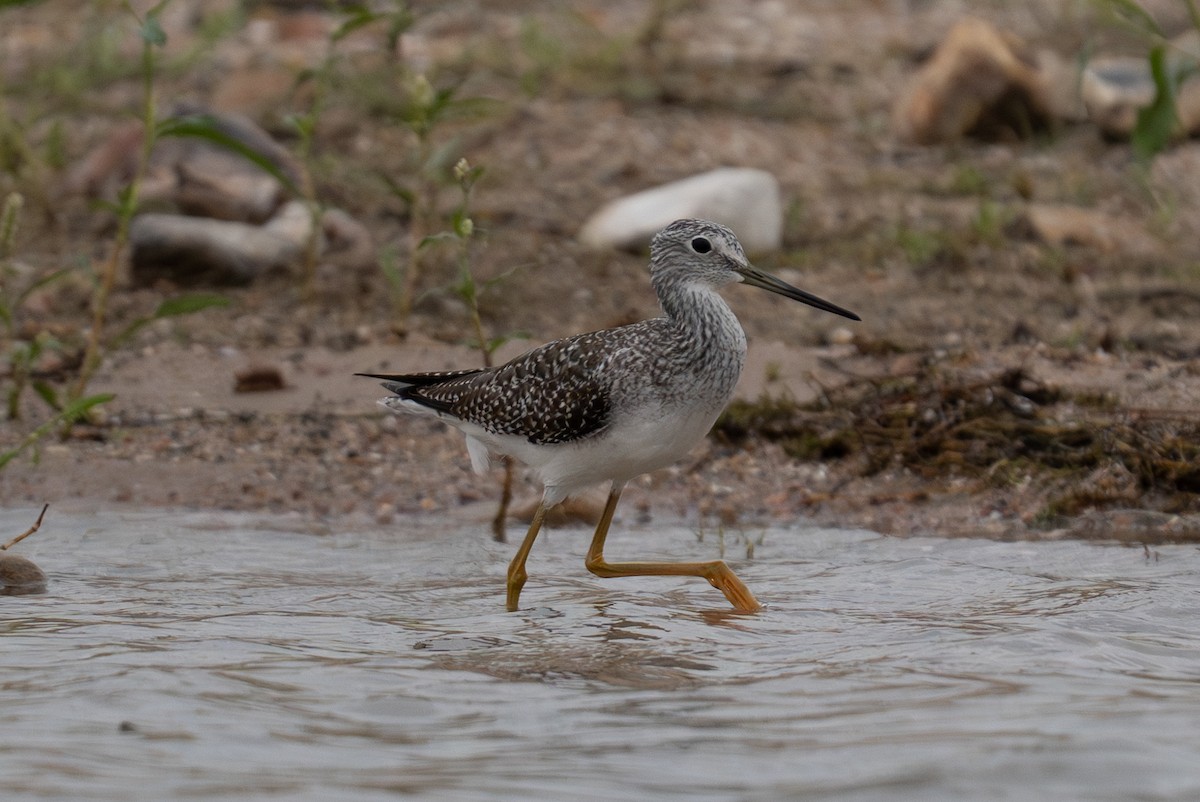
[{"x": 399, "y": 382}]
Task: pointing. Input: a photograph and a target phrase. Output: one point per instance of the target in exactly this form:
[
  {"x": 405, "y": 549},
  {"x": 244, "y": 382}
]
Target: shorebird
[{"x": 611, "y": 405}]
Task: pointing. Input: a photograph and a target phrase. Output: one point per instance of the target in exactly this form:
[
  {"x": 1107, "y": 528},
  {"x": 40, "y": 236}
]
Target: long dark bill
[{"x": 757, "y": 278}]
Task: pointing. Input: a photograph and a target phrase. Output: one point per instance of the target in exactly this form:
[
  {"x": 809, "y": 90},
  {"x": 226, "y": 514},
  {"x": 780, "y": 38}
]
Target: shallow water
[{"x": 225, "y": 657}]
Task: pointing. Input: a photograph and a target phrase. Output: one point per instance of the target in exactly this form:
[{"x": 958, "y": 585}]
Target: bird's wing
[{"x": 553, "y": 394}]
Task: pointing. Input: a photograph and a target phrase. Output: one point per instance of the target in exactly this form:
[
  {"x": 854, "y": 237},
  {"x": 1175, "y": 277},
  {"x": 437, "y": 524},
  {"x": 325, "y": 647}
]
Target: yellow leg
[
  {"x": 718, "y": 574},
  {"x": 516, "y": 569}
]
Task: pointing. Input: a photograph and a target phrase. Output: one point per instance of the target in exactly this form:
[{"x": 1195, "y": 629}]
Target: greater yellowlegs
[{"x": 613, "y": 404}]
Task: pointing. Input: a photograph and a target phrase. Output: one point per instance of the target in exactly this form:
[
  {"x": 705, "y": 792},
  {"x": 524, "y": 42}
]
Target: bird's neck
[{"x": 704, "y": 318}]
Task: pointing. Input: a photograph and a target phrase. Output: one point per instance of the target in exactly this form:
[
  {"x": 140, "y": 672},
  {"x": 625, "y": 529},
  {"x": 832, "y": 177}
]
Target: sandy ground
[{"x": 928, "y": 244}]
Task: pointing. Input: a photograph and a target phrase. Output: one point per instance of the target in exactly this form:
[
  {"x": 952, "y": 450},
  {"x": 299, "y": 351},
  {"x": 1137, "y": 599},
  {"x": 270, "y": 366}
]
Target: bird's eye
[{"x": 701, "y": 245}]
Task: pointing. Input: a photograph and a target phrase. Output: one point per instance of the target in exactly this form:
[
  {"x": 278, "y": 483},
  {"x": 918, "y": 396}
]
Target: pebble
[
  {"x": 258, "y": 379},
  {"x": 20, "y": 576},
  {"x": 841, "y": 336}
]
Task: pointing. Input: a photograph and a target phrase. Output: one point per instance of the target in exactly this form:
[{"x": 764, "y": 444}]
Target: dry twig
[{"x": 36, "y": 525}]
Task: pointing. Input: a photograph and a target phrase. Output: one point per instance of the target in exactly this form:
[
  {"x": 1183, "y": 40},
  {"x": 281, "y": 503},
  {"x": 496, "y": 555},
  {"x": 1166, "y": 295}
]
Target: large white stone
[{"x": 746, "y": 200}]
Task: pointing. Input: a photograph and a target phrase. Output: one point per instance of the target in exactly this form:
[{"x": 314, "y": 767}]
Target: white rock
[
  {"x": 198, "y": 250},
  {"x": 1114, "y": 90},
  {"x": 746, "y": 200}
]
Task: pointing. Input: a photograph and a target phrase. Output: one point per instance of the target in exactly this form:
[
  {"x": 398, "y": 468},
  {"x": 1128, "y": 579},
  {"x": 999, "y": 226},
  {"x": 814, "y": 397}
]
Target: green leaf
[
  {"x": 305, "y": 124},
  {"x": 495, "y": 343},
  {"x": 1158, "y": 122},
  {"x": 188, "y": 304},
  {"x": 434, "y": 239},
  {"x": 494, "y": 280},
  {"x": 399, "y": 190},
  {"x": 47, "y": 394},
  {"x": 172, "y": 307},
  {"x": 1132, "y": 13},
  {"x": 465, "y": 288},
  {"x": 73, "y": 412},
  {"x": 80, "y": 406},
  {"x": 469, "y": 178},
  {"x": 152, "y": 32},
  {"x": 443, "y": 157},
  {"x": 127, "y": 201},
  {"x": 207, "y": 127},
  {"x": 389, "y": 263},
  {"x": 359, "y": 18},
  {"x": 400, "y": 21},
  {"x": 100, "y": 204},
  {"x": 42, "y": 282},
  {"x": 463, "y": 225}
]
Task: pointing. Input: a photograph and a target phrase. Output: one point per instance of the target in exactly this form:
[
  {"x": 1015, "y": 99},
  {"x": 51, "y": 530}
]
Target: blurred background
[{"x": 215, "y": 212}]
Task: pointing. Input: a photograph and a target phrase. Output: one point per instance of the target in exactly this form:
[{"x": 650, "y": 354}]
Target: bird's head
[{"x": 709, "y": 254}]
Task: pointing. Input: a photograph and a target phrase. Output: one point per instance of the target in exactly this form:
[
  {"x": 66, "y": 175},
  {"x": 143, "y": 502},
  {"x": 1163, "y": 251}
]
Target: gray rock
[
  {"x": 196, "y": 250},
  {"x": 746, "y": 200},
  {"x": 193, "y": 174},
  {"x": 1115, "y": 88},
  {"x": 19, "y": 576},
  {"x": 224, "y": 186}
]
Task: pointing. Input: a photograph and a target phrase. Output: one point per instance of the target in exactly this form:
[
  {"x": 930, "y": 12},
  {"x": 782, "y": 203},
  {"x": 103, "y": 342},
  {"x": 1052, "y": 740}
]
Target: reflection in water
[{"x": 209, "y": 656}]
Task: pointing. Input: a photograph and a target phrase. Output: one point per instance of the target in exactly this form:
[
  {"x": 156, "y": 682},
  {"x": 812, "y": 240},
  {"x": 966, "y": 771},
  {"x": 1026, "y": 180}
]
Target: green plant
[
  {"x": 68, "y": 415},
  {"x": 969, "y": 180},
  {"x": 423, "y": 109},
  {"x": 919, "y": 247},
  {"x": 988, "y": 222},
  {"x": 23, "y": 352},
  {"x": 98, "y": 341},
  {"x": 305, "y": 124},
  {"x": 24, "y": 167},
  {"x": 23, "y": 356},
  {"x": 1158, "y": 123},
  {"x": 390, "y": 264},
  {"x": 393, "y": 90},
  {"x": 567, "y": 50},
  {"x": 466, "y": 287},
  {"x": 153, "y": 37},
  {"x": 24, "y": 344},
  {"x": 468, "y": 290}
]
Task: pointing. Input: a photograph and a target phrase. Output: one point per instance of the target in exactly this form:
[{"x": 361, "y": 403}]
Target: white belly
[{"x": 632, "y": 446}]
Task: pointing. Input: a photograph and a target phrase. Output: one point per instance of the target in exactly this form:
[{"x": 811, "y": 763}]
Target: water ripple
[{"x": 220, "y": 657}]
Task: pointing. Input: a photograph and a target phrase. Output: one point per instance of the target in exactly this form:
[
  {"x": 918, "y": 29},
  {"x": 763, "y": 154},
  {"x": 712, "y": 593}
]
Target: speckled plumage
[
  {"x": 561, "y": 408},
  {"x": 613, "y": 404},
  {"x": 569, "y": 390}
]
